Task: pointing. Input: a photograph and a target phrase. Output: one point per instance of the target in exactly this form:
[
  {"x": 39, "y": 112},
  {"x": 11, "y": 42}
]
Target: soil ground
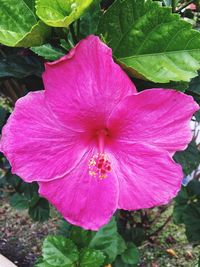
[{"x": 21, "y": 239}]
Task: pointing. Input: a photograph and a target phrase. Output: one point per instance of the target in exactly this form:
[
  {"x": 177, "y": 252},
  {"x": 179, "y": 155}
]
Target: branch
[{"x": 161, "y": 227}]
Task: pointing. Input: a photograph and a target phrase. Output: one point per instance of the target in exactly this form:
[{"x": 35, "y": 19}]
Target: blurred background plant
[{"x": 163, "y": 236}]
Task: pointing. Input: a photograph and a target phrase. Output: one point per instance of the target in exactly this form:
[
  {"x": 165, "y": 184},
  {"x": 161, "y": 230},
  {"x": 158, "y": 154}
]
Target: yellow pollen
[{"x": 99, "y": 165}]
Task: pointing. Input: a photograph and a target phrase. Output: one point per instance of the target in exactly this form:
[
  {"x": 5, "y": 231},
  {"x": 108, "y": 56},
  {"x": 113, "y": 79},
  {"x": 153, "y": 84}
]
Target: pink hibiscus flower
[
  {"x": 192, "y": 7},
  {"x": 93, "y": 143}
]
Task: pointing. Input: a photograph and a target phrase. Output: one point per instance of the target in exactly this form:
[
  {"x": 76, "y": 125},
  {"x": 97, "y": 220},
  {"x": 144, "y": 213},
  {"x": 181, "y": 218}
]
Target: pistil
[
  {"x": 101, "y": 139},
  {"x": 99, "y": 165}
]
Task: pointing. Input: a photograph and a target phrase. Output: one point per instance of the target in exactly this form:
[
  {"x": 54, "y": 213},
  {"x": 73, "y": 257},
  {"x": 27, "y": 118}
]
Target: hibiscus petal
[
  {"x": 158, "y": 117},
  {"x": 82, "y": 199},
  {"x": 38, "y": 146},
  {"x": 147, "y": 176},
  {"x": 84, "y": 86}
]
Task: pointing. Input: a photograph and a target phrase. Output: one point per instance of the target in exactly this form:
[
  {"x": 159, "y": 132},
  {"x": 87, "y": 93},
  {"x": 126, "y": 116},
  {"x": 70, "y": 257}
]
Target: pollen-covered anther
[{"x": 99, "y": 166}]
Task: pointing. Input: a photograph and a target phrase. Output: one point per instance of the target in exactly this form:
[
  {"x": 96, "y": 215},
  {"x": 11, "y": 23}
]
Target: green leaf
[
  {"x": 81, "y": 237},
  {"x": 20, "y": 66},
  {"x": 108, "y": 241},
  {"x": 91, "y": 258},
  {"x": 151, "y": 42},
  {"x": 119, "y": 263},
  {"x": 19, "y": 26},
  {"x": 197, "y": 115},
  {"x": 194, "y": 85},
  {"x": 194, "y": 88},
  {"x": 189, "y": 158},
  {"x": 59, "y": 251},
  {"x": 167, "y": 2},
  {"x": 39, "y": 209},
  {"x": 192, "y": 222},
  {"x": 65, "y": 229},
  {"x": 19, "y": 202},
  {"x": 48, "y": 52},
  {"x": 187, "y": 210},
  {"x": 89, "y": 22},
  {"x": 28, "y": 189},
  {"x": 61, "y": 13},
  {"x": 142, "y": 85},
  {"x": 14, "y": 180},
  {"x": 41, "y": 263},
  {"x": 193, "y": 189},
  {"x": 3, "y": 114},
  {"x": 66, "y": 44},
  {"x": 180, "y": 205},
  {"x": 131, "y": 254}
]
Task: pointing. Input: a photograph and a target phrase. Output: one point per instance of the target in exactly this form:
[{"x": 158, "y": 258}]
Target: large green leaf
[
  {"x": 61, "y": 13},
  {"x": 20, "y": 66},
  {"x": 142, "y": 85},
  {"x": 151, "y": 42},
  {"x": 91, "y": 258},
  {"x": 19, "y": 26},
  {"x": 89, "y": 22},
  {"x": 59, "y": 251}
]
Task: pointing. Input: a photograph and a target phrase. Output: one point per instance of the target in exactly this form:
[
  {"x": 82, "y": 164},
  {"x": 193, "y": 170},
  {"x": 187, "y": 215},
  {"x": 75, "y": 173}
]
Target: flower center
[{"x": 99, "y": 165}]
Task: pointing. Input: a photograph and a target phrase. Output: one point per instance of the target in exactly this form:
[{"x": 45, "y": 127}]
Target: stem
[
  {"x": 161, "y": 227},
  {"x": 162, "y": 209},
  {"x": 19, "y": 89},
  {"x": 173, "y": 6},
  {"x": 78, "y": 28},
  {"x": 71, "y": 27},
  {"x": 10, "y": 90},
  {"x": 101, "y": 141}
]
